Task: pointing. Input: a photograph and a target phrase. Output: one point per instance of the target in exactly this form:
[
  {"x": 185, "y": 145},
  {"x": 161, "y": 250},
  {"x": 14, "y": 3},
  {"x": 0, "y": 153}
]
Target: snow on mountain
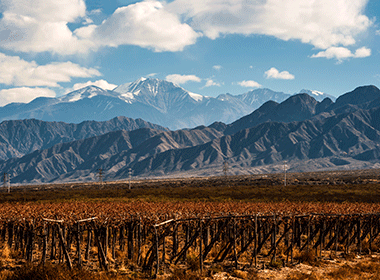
[
  {"x": 153, "y": 100},
  {"x": 318, "y": 95},
  {"x": 196, "y": 97},
  {"x": 86, "y": 92},
  {"x": 162, "y": 95}
]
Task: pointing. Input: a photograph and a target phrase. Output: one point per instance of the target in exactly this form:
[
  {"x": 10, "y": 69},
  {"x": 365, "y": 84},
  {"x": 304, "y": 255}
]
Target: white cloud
[
  {"x": 322, "y": 23},
  {"x": 46, "y": 10},
  {"x": 18, "y": 72},
  {"x": 95, "y": 12},
  {"x": 42, "y": 26},
  {"x": 23, "y": 94},
  {"x": 181, "y": 79},
  {"x": 341, "y": 53},
  {"x": 211, "y": 83},
  {"x": 99, "y": 83},
  {"x": 217, "y": 67},
  {"x": 273, "y": 73},
  {"x": 162, "y": 26},
  {"x": 249, "y": 83},
  {"x": 362, "y": 52},
  {"x": 377, "y": 32},
  {"x": 146, "y": 24},
  {"x": 152, "y": 75}
]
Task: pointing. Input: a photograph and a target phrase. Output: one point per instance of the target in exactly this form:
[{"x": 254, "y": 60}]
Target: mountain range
[
  {"x": 21, "y": 137},
  {"x": 307, "y": 133},
  {"x": 153, "y": 100}
]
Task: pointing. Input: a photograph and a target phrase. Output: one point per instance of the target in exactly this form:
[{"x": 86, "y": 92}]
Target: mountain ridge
[
  {"x": 335, "y": 141},
  {"x": 21, "y": 137},
  {"x": 154, "y": 100},
  {"x": 303, "y": 106}
]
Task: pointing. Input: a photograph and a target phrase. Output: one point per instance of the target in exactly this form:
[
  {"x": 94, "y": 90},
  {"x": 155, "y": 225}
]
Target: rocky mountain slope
[
  {"x": 21, "y": 137},
  {"x": 303, "y": 106},
  {"x": 338, "y": 140},
  {"x": 112, "y": 151}
]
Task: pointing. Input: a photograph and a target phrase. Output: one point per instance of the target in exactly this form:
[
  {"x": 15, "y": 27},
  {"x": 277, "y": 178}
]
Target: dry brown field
[{"x": 324, "y": 205}]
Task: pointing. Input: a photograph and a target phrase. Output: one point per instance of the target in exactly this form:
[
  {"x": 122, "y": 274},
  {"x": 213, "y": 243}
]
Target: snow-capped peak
[
  {"x": 86, "y": 92},
  {"x": 141, "y": 79},
  {"x": 149, "y": 87},
  {"x": 196, "y": 97},
  {"x": 162, "y": 95},
  {"x": 318, "y": 95},
  {"x": 312, "y": 92}
]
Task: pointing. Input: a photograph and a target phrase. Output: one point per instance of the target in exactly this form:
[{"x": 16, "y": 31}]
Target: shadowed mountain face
[
  {"x": 303, "y": 107},
  {"x": 296, "y": 108},
  {"x": 114, "y": 151},
  {"x": 352, "y": 135},
  {"x": 358, "y": 96},
  {"x": 18, "y": 138},
  {"x": 338, "y": 139}
]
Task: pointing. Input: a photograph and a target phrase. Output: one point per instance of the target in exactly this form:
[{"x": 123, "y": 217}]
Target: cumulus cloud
[
  {"x": 18, "y": 72},
  {"x": 146, "y": 24},
  {"x": 210, "y": 83},
  {"x": 249, "y": 83},
  {"x": 171, "y": 26},
  {"x": 23, "y": 94},
  {"x": 162, "y": 26},
  {"x": 273, "y": 73},
  {"x": 42, "y": 26},
  {"x": 362, "y": 52},
  {"x": 182, "y": 79},
  {"x": 217, "y": 67},
  {"x": 322, "y": 24},
  {"x": 341, "y": 53}
]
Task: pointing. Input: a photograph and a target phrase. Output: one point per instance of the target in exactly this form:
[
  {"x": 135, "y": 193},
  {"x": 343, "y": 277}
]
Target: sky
[{"x": 209, "y": 47}]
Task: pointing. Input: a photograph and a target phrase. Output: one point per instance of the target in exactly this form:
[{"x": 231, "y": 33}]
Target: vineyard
[{"x": 151, "y": 236}]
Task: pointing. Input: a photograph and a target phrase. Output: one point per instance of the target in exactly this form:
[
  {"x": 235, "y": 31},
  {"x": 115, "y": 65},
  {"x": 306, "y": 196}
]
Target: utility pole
[
  {"x": 225, "y": 168},
  {"x": 285, "y": 168},
  {"x": 100, "y": 176},
  {"x": 6, "y": 182},
  {"x": 130, "y": 176}
]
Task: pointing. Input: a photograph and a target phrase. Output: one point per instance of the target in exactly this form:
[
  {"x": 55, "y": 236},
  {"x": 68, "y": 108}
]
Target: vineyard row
[{"x": 243, "y": 241}]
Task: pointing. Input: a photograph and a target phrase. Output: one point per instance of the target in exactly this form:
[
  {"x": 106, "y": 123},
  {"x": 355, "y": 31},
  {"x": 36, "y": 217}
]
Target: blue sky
[{"x": 208, "y": 47}]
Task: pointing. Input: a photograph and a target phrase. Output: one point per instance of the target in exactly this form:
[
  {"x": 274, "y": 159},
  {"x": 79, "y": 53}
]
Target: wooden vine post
[
  {"x": 200, "y": 245},
  {"x": 102, "y": 257},
  {"x": 62, "y": 240}
]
